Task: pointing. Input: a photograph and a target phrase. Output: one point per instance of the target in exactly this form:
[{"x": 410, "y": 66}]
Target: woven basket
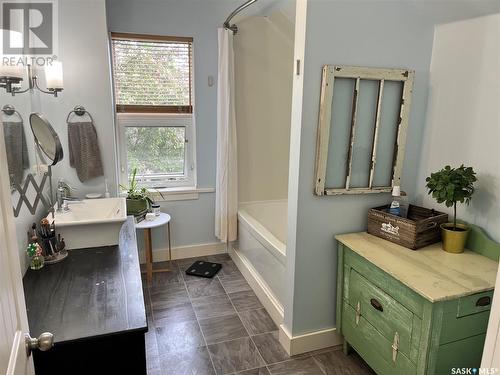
[{"x": 419, "y": 229}]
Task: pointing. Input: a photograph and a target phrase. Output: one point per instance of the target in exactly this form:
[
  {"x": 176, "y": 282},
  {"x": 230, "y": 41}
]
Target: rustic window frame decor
[{"x": 330, "y": 72}]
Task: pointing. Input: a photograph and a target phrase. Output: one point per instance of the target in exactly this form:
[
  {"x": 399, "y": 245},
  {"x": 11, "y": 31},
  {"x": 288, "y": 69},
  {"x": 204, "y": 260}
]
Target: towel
[
  {"x": 17, "y": 150},
  {"x": 84, "y": 153}
]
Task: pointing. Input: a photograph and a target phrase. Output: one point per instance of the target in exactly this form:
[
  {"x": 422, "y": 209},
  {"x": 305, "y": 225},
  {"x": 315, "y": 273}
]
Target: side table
[{"x": 147, "y": 226}]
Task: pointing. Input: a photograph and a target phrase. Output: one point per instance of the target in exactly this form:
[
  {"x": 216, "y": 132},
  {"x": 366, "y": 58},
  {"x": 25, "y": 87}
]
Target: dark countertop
[{"x": 93, "y": 292}]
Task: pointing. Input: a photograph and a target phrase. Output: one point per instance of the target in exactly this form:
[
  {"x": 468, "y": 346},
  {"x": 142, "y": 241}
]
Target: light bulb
[{"x": 54, "y": 75}]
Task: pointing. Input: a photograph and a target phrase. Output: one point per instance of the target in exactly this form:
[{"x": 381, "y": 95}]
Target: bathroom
[{"x": 247, "y": 196}]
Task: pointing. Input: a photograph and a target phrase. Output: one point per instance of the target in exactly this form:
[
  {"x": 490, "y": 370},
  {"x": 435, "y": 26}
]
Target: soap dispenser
[{"x": 399, "y": 205}]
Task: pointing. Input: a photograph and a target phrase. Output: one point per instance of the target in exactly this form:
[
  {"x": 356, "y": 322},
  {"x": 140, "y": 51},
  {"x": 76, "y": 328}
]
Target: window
[
  {"x": 362, "y": 126},
  {"x": 154, "y": 105}
]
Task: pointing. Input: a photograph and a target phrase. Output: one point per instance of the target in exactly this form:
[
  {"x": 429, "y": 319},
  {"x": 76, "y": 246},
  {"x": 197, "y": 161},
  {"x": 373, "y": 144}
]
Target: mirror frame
[{"x": 59, "y": 150}]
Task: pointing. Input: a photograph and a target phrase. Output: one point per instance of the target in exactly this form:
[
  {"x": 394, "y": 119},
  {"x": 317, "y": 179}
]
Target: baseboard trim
[
  {"x": 182, "y": 252},
  {"x": 308, "y": 342},
  {"x": 260, "y": 288}
]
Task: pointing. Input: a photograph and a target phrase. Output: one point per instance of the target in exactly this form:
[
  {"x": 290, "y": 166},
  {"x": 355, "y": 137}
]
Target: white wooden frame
[
  {"x": 13, "y": 316},
  {"x": 491, "y": 351},
  {"x": 124, "y": 120},
  {"x": 330, "y": 72}
]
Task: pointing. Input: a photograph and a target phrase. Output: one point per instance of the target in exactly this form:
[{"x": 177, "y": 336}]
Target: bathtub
[{"x": 260, "y": 250}]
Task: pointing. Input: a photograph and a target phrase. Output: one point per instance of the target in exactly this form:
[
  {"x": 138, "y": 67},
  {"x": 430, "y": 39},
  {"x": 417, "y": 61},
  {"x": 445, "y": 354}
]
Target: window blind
[{"x": 152, "y": 73}]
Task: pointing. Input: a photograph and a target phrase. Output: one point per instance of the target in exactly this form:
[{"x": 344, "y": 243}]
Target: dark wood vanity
[{"x": 93, "y": 304}]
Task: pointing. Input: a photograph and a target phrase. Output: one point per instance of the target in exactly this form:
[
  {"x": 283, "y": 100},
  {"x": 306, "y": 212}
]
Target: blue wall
[
  {"x": 192, "y": 221},
  {"x": 377, "y": 34}
]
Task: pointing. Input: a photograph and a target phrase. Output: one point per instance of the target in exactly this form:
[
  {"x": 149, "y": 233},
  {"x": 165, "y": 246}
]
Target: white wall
[
  {"x": 463, "y": 124},
  {"x": 83, "y": 50},
  {"x": 263, "y": 49}
]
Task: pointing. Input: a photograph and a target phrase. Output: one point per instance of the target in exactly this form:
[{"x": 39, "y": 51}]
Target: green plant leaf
[{"x": 452, "y": 185}]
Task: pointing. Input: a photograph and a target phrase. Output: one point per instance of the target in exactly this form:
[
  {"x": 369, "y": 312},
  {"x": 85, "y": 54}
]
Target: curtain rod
[{"x": 227, "y": 23}]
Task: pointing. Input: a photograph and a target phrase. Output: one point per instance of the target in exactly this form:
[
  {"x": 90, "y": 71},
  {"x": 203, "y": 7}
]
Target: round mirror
[{"x": 46, "y": 138}]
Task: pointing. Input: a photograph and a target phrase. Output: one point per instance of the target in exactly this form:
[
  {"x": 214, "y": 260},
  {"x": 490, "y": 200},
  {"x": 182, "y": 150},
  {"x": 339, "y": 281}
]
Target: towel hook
[
  {"x": 9, "y": 110},
  {"x": 79, "y": 110}
]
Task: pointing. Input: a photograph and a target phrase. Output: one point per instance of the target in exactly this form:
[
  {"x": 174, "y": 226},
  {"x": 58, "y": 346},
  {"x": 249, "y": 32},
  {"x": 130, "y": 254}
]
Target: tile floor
[{"x": 218, "y": 326}]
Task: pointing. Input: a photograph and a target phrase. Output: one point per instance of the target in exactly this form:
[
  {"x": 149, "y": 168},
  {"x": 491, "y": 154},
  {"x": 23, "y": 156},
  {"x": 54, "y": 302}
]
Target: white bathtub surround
[
  {"x": 226, "y": 192},
  {"x": 91, "y": 222},
  {"x": 260, "y": 252},
  {"x": 261, "y": 289}
]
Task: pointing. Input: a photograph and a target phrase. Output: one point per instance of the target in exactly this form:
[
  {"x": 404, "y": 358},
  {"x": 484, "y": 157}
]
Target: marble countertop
[{"x": 431, "y": 272}]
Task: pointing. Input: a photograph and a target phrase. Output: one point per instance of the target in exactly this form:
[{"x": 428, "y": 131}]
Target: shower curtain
[{"x": 226, "y": 193}]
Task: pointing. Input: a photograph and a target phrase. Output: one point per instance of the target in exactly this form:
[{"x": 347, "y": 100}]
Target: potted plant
[
  {"x": 138, "y": 199},
  {"x": 450, "y": 186}
]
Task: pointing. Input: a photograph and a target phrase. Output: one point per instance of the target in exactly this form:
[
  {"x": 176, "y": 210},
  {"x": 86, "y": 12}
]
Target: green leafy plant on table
[
  {"x": 451, "y": 186},
  {"x": 138, "y": 198}
]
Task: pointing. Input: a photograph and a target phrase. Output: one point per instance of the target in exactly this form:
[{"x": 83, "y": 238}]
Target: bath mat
[{"x": 204, "y": 269}]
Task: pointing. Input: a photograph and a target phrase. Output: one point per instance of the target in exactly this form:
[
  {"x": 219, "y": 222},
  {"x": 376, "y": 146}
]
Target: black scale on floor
[{"x": 204, "y": 269}]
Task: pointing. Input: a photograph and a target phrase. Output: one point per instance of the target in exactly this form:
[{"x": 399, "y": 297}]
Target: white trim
[
  {"x": 175, "y": 193},
  {"x": 294, "y": 162},
  {"x": 187, "y": 121},
  {"x": 308, "y": 342},
  {"x": 259, "y": 286},
  {"x": 190, "y": 251},
  {"x": 12, "y": 299},
  {"x": 491, "y": 349}
]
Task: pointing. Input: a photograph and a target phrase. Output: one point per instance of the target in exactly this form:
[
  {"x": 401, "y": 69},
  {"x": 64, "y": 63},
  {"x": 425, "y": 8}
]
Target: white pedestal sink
[{"x": 91, "y": 222}]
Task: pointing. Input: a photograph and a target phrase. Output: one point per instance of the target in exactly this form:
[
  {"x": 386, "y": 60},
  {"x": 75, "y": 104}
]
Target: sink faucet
[{"x": 62, "y": 194}]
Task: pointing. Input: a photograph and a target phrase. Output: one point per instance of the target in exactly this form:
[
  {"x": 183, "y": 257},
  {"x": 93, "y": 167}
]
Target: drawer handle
[
  {"x": 483, "y": 301},
  {"x": 376, "y": 305},
  {"x": 395, "y": 347},
  {"x": 358, "y": 312}
]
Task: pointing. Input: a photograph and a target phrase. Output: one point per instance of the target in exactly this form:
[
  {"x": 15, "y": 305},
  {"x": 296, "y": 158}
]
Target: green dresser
[{"x": 414, "y": 312}]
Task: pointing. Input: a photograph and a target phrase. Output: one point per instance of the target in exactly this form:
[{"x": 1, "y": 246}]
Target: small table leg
[
  {"x": 149, "y": 255},
  {"x": 169, "y": 242}
]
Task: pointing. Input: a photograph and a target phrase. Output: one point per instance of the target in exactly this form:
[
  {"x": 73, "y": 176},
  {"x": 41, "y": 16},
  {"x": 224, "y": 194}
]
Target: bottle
[
  {"x": 395, "y": 208},
  {"x": 106, "y": 193},
  {"x": 404, "y": 205}
]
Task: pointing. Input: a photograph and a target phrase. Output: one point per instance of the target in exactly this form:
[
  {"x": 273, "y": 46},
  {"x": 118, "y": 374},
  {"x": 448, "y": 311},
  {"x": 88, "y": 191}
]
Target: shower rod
[{"x": 227, "y": 23}]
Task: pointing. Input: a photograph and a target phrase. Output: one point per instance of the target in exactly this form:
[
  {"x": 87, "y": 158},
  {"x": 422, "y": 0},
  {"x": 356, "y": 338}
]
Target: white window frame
[{"x": 124, "y": 120}]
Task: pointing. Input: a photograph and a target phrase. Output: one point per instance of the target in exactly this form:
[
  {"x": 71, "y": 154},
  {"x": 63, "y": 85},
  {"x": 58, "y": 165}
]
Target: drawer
[
  {"x": 373, "y": 347},
  {"x": 475, "y": 303},
  {"x": 461, "y": 354},
  {"x": 382, "y": 311},
  {"x": 457, "y": 328},
  {"x": 408, "y": 298}
]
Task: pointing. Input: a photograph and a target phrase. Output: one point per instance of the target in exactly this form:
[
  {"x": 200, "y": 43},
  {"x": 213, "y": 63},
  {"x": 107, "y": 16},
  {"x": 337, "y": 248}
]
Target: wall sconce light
[{"x": 11, "y": 76}]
